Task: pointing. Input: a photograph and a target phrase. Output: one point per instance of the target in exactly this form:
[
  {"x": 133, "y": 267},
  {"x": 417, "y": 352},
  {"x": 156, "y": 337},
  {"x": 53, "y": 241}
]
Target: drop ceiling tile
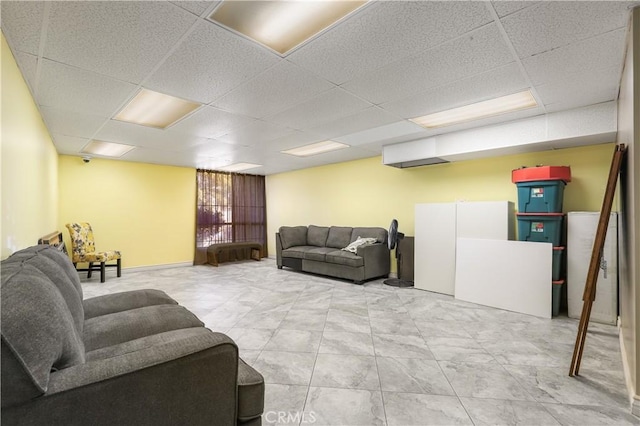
[
  {"x": 148, "y": 137},
  {"x": 215, "y": 61},
  {"x": 124, "y": 40},
  {"x": 504, "y": 8},
  {"x": 385, "y": 32},
  {"x": 382, "y": 134},
  {"x": 209, "y": 122},
  {"x": 603, "y": 86},
  {"x": 333, "y": 157},
  {"x": 367, "y": 119},
  {"x": 276, "y": 89},
  {"x": 195, "y": 7},
  {"x": 214, "y": 149},
  {"x": 590, "y": 119},
  {"x": 254, "y": 133},
  {"x": 70, "y": 123},
  {"x": 500, "y": 82},
  {"x": 485, "y": 122},
  {"x": 292, "y": 140},
  {"x": 28, "y": 66},
  {"x": 557, "y": 24},
  {"x": 328, "y": 106},
  {"x": 591, "y": 54},
  {"x": 476, "y": 52},
  {"x": 159, "y": 156},
  {"x": 68, "y": 144},
  {"x": 62, "y": 86},
  {"x": 22, "y": 23}
]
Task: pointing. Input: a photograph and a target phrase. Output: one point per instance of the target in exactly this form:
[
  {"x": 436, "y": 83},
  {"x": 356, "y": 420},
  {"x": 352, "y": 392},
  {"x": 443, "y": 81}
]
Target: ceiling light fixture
[
  {"x": 316, "y": 148},
  {"x": 153, "y": 109},
  {"x": 106, "y": 149},
  {"x": 282, "y": 25},
  {"x": 237, "y": 167},
  {"x": 491, "y": 107}
]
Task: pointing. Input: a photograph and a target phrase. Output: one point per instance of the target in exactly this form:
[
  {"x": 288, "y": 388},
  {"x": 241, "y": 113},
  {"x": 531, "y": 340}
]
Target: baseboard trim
[{"x": 156, "y": 267}]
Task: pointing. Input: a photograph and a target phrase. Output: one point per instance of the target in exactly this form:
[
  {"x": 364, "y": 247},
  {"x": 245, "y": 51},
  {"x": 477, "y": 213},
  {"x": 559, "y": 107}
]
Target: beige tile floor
[{"x": 335, "y": 353}]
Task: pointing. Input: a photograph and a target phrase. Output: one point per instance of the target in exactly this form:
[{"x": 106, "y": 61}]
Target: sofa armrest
[
  {"x": 377, "y": 260},
  {"x": 124, "y": 301},
  {"x": 278, "y": 250},
  {"x": 190, "y": 380}
]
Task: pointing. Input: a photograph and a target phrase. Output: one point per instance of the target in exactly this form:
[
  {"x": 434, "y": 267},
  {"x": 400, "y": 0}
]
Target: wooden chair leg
[
  {"x": 102, "y": 272},
  {"x": 90, "y": 271},
  {"x": 119, "y": 267}
]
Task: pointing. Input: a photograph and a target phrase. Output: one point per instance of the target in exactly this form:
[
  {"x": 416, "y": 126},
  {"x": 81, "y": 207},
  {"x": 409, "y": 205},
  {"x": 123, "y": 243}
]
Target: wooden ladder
[{"x": 596, "y": 254}]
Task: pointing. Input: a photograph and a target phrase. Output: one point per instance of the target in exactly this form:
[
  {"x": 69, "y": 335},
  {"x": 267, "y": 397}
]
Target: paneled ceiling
[{"x": 356, "y": 83}]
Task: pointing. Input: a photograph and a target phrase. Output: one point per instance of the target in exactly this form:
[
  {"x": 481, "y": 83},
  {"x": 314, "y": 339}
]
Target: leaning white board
[
  {"x": 435, "y": 247},
  {"x": 511, "y": 275}
]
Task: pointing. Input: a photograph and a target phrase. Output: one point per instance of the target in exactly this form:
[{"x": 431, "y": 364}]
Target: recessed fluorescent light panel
[
  {"x": 282, "y": 25},
  {"x": 238, "y": 167},
  {"x": 106, "y": 149},
  {"x": 153, "y": 109},
  {"x": 504, "y": 104},
  {"x": 315, "y": 148}
]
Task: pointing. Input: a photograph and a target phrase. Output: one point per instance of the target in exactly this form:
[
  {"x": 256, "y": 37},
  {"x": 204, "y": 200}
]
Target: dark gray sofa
[
  {"x": 317, "y": 249},
  {"x": 131, "y": 358}
]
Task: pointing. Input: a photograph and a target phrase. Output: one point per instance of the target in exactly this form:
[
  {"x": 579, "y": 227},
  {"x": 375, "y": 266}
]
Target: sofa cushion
[
  {"x": 143, "y": 343},
  {"x": 297, "y": 252},
  {"x": 57, "y": 256},
  {"x": 120, "y": 327},
  {"x": 38, "y": 333},
  {"x": 250, "y": 392},
  {"x": 317, "y": 235},
  {"x": 341, "y": 257},
  {"x": 339, "y": 236},
  {"x": 380, "y": 234},
  {"x": 124, "y": 301},
  {"x": 318, "y": 253},
  {"x": 50, "y": 262},
  {"x": 291, "y": 236}
]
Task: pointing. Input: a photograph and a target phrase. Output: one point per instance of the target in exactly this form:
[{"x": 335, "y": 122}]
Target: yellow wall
[
  {"x": 29, "y": 164},
  {"x": 367, "y": 193},
  {"x": 146, "y": 211}
]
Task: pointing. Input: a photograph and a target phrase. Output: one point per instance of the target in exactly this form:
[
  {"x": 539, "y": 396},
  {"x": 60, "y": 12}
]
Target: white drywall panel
[
  {"x": 435, "y": 247},
  {"x": 511, "y": 275},
  {"x": 485, "y": 219}
]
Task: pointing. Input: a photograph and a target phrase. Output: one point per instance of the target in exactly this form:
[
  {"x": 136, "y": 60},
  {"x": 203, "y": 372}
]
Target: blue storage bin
[
  {"x": 541, "y": 228},
  {"x": 542, "y": 196},
  {"x": 557, "y": 263},
  {"x": 556, "y": 296}
]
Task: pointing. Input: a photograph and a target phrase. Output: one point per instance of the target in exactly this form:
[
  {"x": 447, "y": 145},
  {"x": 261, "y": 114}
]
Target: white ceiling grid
[{"x": 358, "y": 82}]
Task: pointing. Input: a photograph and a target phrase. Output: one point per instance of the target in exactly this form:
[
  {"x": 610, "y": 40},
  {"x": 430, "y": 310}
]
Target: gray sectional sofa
[
  {"x": 318, "y": 249},
  {"x": 130, "y": 358}
]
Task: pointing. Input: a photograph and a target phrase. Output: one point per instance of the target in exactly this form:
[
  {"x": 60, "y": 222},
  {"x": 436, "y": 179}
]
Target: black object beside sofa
[
  {"x": 135, "y": 357},
  {"x": 318, "y": 249}
]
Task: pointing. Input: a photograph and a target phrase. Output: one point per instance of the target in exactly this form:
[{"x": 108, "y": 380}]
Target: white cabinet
[
  {"x": 581, "y": 231},
  {"x": 437, "y": 227}
]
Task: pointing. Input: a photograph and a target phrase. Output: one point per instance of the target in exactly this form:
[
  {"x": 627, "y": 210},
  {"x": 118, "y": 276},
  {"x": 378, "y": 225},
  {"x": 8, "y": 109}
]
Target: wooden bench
[{"x": 214, "y": 250}]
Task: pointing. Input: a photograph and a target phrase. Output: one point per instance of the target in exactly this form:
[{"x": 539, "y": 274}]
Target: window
[{"x": 230, "y": 207}]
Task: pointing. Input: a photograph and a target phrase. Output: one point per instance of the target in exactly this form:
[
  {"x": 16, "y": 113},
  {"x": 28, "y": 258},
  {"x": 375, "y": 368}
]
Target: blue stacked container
[{"x": 540, "y": 217}]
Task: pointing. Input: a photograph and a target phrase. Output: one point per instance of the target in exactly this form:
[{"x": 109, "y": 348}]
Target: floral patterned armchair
[{"x": 83, "y": 250}]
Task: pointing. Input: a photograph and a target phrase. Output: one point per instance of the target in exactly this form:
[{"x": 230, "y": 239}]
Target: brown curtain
[{"x": 230, "y": 207}]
